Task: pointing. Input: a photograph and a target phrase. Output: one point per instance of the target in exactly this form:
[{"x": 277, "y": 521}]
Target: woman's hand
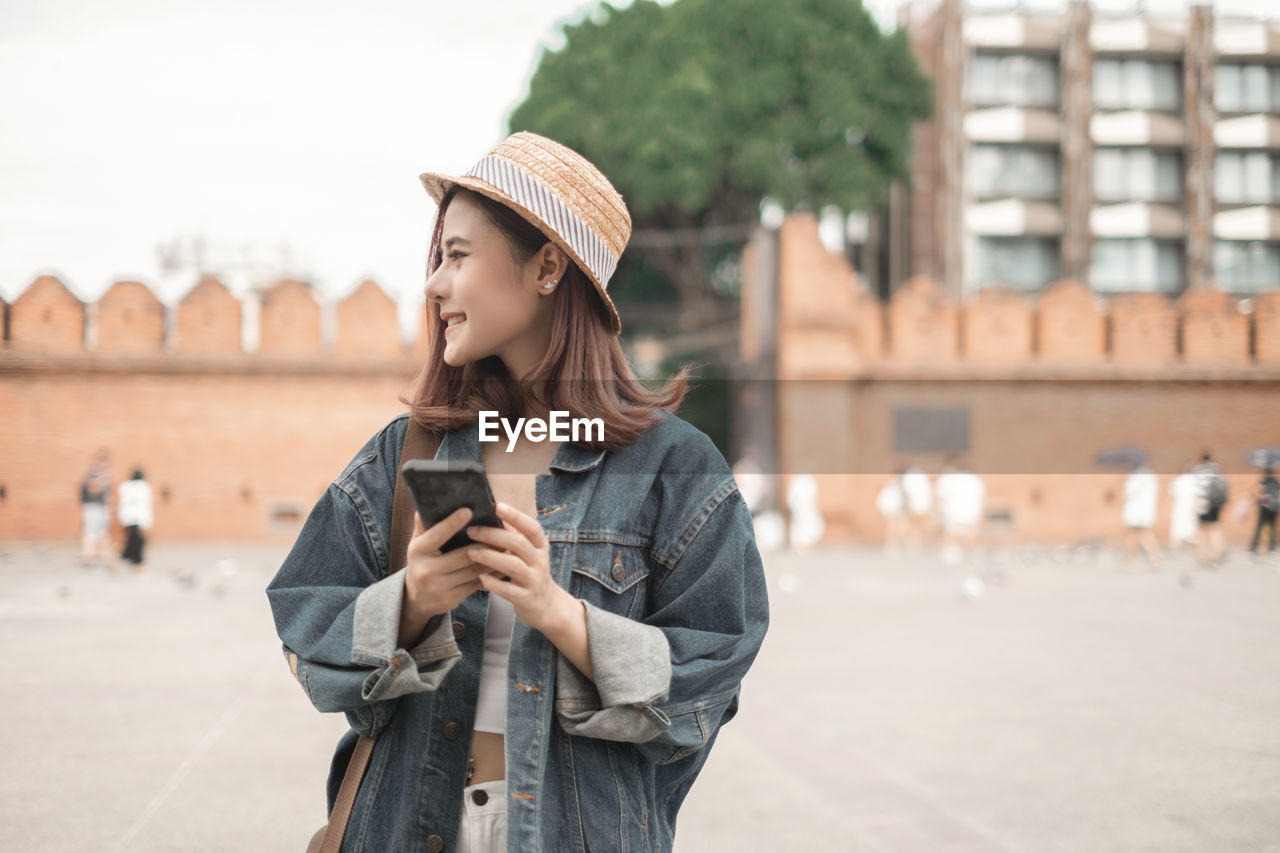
[
  {"x": 520, "y": 564},
  {"x": 435, "y": 583}
]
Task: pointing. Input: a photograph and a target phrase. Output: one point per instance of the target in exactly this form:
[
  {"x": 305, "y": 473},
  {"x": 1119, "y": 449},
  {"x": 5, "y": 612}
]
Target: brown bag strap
[
  {"x": 418, "y": 444},
  {"x": 347, "y": 795}
]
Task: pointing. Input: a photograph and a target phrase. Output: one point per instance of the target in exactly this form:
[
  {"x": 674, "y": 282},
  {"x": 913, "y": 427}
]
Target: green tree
[{"x": 699, "y": 110}]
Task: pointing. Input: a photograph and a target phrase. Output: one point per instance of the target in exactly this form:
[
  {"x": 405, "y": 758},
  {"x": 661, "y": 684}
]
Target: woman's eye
[{"x": 455, "y": 255}]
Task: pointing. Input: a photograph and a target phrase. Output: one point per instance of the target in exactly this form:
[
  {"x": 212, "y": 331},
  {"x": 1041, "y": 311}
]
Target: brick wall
[
  {"x": 130, "y": 319},
  {"x": 209, "y": 321},
  {"x": 236, "y": 446},
  {"x": 1047, "y": 382},
  {"x": 1070, "y": 325},
  {"x": 362, "y": 318},
  {"x": 922, "y": 322},
  {"x": 1266, "y": 327},
  {"x": 996, "y": 327},
  {"x": 289, "y": 323},
  {"x": 1214, "y": 331},
  {"x": 46, "y": 317}
]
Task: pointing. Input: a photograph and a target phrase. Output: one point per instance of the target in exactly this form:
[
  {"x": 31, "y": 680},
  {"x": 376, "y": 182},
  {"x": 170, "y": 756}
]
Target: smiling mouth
[{"x": 458, "y": 321}]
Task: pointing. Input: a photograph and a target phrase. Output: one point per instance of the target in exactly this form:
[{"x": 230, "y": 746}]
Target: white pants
[
  {"x": 483, "y": 828},
  {"x": 96, "y": 521}
]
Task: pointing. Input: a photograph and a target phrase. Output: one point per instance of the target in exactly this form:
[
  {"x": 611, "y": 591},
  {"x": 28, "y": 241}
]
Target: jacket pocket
[{"x": 613, "y": 577}]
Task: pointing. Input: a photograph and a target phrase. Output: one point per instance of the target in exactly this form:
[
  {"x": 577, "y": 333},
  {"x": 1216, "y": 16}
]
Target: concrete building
[{"x": 1130, "y": 152}]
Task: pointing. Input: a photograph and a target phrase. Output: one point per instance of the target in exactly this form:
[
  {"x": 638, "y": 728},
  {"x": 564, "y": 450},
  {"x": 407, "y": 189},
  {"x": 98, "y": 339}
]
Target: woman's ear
[{"x": 551, "y": 264}]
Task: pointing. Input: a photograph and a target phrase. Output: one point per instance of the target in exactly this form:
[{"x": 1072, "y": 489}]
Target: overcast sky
[
  {"x": 127, "y": 124},
  {"x": 124, "y": 125}
]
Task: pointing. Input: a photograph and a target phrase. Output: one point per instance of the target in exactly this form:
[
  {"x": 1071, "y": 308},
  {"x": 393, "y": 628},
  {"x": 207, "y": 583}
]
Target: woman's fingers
[
  {"x": 433, "y": 539},
  {"x": 469, "y": 583},
  {"x": 510, "y": 565},
  {"x": 499, "y": 587},
  {"x": 457, "y": 560},
  {"x": 503, "y": 539},
  {"x": 531, "y": 529}
]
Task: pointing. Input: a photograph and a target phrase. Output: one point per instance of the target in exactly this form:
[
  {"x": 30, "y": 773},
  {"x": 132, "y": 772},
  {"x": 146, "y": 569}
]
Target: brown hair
[{"x": 583, "y": 370}]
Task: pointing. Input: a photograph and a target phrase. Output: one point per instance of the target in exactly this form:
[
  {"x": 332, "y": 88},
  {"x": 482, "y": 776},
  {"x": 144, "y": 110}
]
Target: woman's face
[{"x": 489, "y": 303}]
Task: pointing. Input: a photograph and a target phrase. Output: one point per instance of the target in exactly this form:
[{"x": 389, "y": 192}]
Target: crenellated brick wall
[
  {"x": 363, "y": 318},
  {"x": 237, "y": 445},
  {"x": 209, "y": 321},
  {"x": 1071, "y": 327},
  {"x": 289, "y": 323},
  {"x": 46, "y": 317},
  {"x": 1046, "y": 381},
  {"x": 130, "y": 320}
]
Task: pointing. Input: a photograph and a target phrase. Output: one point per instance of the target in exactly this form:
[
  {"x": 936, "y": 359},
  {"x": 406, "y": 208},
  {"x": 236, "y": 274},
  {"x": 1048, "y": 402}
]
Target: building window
[
  {"x": 1141, "y": 265},
  {"x": 1247, "y": 177},
  {"x": 1246, "y": 88},
  {"x": 1136, "y": 84},
  {"x": 1014, "y": 171},
  {"x": 1022, "y": 263},
  {"x": 1137, "y": 174},
  {"x": 1012, "y": 80},
  {"x": 1247, "y": 266}
]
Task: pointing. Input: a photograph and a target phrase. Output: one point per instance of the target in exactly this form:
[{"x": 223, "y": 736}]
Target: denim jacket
[{"x": 654, "y": 538}]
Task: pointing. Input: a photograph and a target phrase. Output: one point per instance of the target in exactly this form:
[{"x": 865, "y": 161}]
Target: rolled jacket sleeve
[
  {"x": 667, "y": 682},
  {"x": 374, "y": 632},
  {"x": 631, "y": 662},
  {"x": 338, "y": 618}
]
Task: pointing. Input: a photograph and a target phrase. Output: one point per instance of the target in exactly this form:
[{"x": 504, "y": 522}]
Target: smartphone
[{"x": 440, "y": 488}]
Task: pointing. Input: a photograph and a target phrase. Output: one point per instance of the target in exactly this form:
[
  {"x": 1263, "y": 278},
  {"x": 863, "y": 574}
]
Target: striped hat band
[{"x": 538, "y": 199}]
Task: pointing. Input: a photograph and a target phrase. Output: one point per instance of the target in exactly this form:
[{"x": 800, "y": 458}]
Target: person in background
[
  {"x": 95, "y": 516},
  {"x": 807, "y": 524},
  {"x": 134, "y": 513},
  {"x": 892, "y": 503},
  {"x": 1183, "y": 515},
  {"x": 919, "y": 493},
  {"x": 1141, "y": 496},
  {"x": 1268, "y": 498},
  {"x": 751, "y": 483},
  {"x": 1211, "y": 497},
  {"x": 961, "y": 497}
]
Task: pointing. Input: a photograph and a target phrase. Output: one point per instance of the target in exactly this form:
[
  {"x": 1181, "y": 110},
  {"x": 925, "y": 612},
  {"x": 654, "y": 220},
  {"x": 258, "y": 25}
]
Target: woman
[
  {"x": 95, "y": 515},
  {"x": 135, "y": 517},
  {"x": 557, "y": 685},
  {"x": 1267, "y": 496}
]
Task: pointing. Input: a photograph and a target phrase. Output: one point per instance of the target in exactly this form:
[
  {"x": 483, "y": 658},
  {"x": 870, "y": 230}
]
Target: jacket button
[
  {"x": 479, "y": 797},
  {"x": 435, "y": 844},
  {"x": 459, "y": 630},
  {"x": 619, "y": 573},
  {"x": 452, "y": 730}
]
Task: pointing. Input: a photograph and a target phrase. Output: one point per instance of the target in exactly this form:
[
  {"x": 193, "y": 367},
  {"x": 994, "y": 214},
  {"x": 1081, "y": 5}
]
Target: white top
[
  {"x": 891, "y": 501},
  {"x": 1182, "y": 518},
  {"x": 135, "y": 504},
  {"x": 1141, "y": 493},
  {"x": 961, "y": 495},
  {"x": 919, "y": 491},
  {"x": 807, "y": 524},
  {"x": 491, "y": 706}
]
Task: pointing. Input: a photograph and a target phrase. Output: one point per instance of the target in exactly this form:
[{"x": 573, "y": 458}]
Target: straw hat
[{"x": 559, "y": 192}]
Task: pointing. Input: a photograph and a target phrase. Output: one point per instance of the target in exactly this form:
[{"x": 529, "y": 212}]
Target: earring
[{"x": 547, "y": 287}]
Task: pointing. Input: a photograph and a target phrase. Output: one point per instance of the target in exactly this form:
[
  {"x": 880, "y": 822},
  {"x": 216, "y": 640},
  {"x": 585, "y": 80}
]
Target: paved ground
[{"x": 1076, "y": 706}]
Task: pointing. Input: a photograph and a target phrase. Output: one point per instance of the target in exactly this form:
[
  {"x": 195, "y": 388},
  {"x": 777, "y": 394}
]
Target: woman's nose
[{"x": 435, "y": 286}]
